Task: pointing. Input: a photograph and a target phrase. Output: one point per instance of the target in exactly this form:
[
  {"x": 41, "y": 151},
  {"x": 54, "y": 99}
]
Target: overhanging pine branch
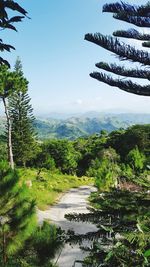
[
  {"x": 6, "y": 47},
  {"x": 16, "y": 7},
  {"x": 127, "y": 86},
  {"x": 4, "y": 62},
  {"x": 96, "y": 217},
  {"x": 124, "y": 51},
  {"x": 121, "y": 70},
  {"x": 6, "y": 22},
  {"x": 134, "y": 10},
  {"x": 136, "y": 20},
  {"x": 90, "y": 236},
  {"x": 119, "y": 7},
  {"x": 133, "y": 34}
]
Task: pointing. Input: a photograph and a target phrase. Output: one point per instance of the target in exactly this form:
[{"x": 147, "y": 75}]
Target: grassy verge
[{"x": 47, "y": 187}]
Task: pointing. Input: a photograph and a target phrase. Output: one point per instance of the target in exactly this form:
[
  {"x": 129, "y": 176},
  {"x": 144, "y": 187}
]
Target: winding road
[{"x": 75, "y": 200}]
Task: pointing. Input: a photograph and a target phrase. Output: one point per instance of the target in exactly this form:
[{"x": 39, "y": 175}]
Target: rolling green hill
[{"x": 74, "y": 127}]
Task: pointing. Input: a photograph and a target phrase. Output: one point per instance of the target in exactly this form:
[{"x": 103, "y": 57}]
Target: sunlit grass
[{"x": 48, "y": 187}]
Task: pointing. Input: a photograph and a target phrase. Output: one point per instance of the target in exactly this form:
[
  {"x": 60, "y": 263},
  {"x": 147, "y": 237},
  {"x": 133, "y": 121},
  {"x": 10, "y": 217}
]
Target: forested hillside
[
  {"x": 78, "y": 156},
  {"x": 83, "y": 125},
  {"x": 75, "y": 127}
]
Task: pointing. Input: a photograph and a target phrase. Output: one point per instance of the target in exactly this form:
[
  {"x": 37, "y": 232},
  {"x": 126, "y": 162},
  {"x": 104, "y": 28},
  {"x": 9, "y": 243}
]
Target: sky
[{"x": 57, "y": 60}]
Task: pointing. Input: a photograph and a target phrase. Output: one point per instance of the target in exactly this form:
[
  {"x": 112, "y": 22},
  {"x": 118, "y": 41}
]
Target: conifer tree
[
  {"x": 139, "y": 16},
  {"x": 21, "y": 114},
  {"x": 17, "y": 213},
  {"x": 9, "y": 83},
  {"x": 122, "y": 236}
]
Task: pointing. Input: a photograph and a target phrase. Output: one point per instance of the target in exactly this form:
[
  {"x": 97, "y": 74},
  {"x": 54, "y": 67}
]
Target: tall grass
[{"x": 47, "y": 187}]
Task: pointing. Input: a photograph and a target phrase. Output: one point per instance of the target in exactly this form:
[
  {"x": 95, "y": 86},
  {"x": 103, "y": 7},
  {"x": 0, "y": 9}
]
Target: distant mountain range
[
  {"x": 82, "y": 124},
  {"x": 86, "y": 124}
]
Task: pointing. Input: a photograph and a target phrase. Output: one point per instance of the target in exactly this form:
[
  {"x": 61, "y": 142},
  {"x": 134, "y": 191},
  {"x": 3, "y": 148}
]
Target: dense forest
[{"x": 79, "y": 155}]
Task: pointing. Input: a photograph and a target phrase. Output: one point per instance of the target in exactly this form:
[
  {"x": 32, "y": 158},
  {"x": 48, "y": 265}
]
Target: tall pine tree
[
  {"x": 21, "y": 114},
  {"x": 10, "y": 82},
  {"x": 139, "y": 16}
]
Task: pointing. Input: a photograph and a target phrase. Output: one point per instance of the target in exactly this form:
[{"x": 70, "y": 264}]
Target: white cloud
[
  {"x": 79, "y": 102},
  {"x": 87, "y": 104}
]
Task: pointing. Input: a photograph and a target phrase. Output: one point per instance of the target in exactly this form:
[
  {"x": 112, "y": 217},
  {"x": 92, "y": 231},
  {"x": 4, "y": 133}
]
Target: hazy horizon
[{"x": 80, "y": 113}]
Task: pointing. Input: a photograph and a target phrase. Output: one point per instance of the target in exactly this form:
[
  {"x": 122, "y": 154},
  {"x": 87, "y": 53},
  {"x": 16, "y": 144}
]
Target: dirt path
[{"x": 75, "y": 200}]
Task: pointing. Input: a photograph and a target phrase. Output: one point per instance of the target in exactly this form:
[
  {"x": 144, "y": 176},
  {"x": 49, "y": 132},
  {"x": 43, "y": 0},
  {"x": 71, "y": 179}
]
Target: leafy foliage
[
  {"x": 136, "y": 160},
  {"x": 105, "y": 169},
  {"x": 124, "y": 141},
  {"x": 63, "y": 153},
  {"x": 84, "y": 156}
]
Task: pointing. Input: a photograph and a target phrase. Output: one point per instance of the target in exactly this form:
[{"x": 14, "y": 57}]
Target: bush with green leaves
[
  {"x": 123, "y": 141},
  {"x": 105, "y": 169},
  {"x": 104, "y": 173},
  {"x": 136, "y": 160},
  {"x": 43, "y": 160},
  {"x": 59, "y": 153}
]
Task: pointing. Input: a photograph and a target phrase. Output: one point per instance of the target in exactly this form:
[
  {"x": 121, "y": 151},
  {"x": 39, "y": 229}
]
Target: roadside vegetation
[
  {"x": 46, "y": 187},
  {"x": 120, "y": 208}
]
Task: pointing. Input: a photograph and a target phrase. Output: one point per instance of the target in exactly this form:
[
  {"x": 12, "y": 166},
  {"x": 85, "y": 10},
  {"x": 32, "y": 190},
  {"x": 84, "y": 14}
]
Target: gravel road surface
[{"x": 75, "y": 200}]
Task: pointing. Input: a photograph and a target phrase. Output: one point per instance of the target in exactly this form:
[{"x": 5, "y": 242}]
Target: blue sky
[{"x": 57, "y": 61}]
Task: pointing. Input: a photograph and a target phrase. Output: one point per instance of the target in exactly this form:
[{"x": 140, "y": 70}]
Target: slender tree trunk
[{"x": 10, "y": 152}]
